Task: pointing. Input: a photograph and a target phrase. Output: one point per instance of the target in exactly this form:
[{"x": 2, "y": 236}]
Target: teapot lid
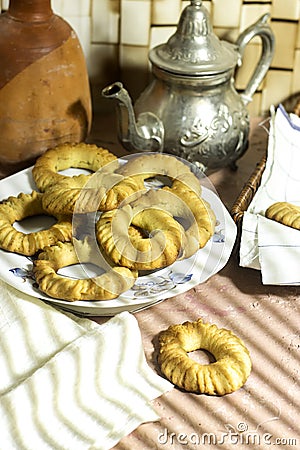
[{"x": 194, "y": 49}]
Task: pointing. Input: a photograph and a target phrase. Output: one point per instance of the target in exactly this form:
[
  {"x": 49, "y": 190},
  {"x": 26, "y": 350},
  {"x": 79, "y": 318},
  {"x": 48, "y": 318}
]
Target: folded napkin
[
  {"x": 267, "y": 245},
  {"x": 67, "y": 382}
]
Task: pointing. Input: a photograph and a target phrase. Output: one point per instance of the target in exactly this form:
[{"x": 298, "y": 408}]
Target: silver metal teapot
[{"x": 191, "y": 108}]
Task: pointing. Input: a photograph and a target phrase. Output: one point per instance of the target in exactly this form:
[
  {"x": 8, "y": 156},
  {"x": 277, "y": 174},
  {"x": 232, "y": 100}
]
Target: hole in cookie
[
  {"x": 73, "y": 171},
  {"x": 184, "y": 222},
  {"x": 137, "y": 232},
  {"x": 81, "y": 271},
  {"x": 34, "y": 224},
  {"x": 157, "y": 181},
  {"x": 202, "y": 356}
]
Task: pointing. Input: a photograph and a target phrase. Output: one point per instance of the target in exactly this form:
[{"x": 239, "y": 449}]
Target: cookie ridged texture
[
  {"x": 227, "y": 374},
  {"x": 62, "y": 196},
  {"x": 122, "y": 190},
  {"x": 82, "y": 155},
  {"x": 204, "y": 217},
  {"x": 133, "y": 250},
  {"x": 284, "y": 213},
  {"x": 180, "y": 201},
  {"x": 147, "y": 166},
  {"x": 78, "y": 195},
  {"x": 26, "y": 205},
  {"x": 106, "y": 286}
]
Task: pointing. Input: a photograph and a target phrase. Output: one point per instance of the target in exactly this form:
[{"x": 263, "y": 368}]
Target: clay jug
[{"x": 45, "y": 97}]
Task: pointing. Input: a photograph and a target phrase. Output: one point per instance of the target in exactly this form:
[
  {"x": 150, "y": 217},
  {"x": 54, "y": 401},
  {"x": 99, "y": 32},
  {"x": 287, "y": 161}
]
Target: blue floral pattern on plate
[
  {"x": 159, "y": 284},
  {"x": 23, "y": 273}
]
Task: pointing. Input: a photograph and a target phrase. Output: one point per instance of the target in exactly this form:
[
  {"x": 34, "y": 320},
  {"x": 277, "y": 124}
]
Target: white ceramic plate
[{"x": 149, "y": 289}]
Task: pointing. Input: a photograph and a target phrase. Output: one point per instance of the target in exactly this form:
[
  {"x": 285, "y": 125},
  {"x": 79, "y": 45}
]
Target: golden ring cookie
[
  {"x": 284, "y": 213},
  {"x": 189, "y": 208},
  {"x": 64, "y": 156},
  {"x": 150, "y": 165},
  {"x": 228, "y": 373},
  {"x": 15, "y": 209},
  {"x": 106, "y": 286},
  {"x": 205, "y": 220},
  {"x": 157, "y": 243},
  {"x": 102, "y": 192}
]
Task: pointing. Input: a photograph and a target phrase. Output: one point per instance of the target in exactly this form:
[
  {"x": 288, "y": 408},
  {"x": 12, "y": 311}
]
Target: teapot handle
[{"x": 262, "y": 29}]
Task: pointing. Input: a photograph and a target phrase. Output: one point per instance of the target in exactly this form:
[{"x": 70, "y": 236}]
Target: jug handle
[{"x": 262, "y": 29}]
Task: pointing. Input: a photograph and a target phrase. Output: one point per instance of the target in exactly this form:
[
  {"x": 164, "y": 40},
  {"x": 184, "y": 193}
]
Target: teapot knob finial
[{"x": 196, "y": 2}]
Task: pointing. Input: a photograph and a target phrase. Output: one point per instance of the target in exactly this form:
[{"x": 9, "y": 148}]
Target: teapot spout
[{"x": 146, "y": 133}]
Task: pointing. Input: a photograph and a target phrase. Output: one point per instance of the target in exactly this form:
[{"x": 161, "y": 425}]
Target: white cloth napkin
[
  {"x": 266, "y": 245},
  {"x": 69, "y": 383}
]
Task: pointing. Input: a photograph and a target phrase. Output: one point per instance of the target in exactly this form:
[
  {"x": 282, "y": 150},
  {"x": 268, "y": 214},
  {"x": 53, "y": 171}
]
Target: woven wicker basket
[{"x": 244, "y": 199}]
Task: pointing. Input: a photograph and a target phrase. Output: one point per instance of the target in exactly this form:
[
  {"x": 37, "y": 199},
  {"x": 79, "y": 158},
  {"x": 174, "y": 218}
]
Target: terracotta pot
[{"x": 45, "y": 95}]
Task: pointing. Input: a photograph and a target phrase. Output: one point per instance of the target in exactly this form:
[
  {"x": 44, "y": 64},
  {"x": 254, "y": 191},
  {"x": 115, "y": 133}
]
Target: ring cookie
[
  {"x": 46, "y": 169},
  {"x": 160, "y": 164},
  {"x": 186, "y": 206},
  {"x": 107, "y": 286},
  {"x": 285, "y": 213},
  {"x": 102, "y": 192},
  {"x": 156, "y": 243},
  {"x": 228, "y": 373},
  {"x": 15, "y": 209}
]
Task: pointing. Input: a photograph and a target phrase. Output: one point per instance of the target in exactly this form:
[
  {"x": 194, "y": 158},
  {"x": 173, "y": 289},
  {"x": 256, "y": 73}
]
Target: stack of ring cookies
[
  {"x": 53, "y": 248},
  {"x": 134, "y": 228},
  {"x": 144, "y": 232}
]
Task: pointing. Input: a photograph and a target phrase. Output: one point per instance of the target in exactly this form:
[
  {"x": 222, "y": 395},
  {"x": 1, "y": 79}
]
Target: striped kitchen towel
[
  {"x": 67, "y": 383},
  {"x": 266, "y": 245}
]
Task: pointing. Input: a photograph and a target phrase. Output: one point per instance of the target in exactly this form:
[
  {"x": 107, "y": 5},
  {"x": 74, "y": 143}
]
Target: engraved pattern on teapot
[
  {"x": 185, "y": 56},
  {"x": 198, "y": 132},
  {"x": 195, "y": 29},
  {"x": 223, "y": 126},
  {"x": 190, "y": 31}
]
